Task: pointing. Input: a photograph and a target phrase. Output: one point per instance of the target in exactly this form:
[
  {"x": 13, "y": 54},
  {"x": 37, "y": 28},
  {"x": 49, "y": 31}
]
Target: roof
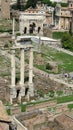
[{"x": 36, "y": 38}]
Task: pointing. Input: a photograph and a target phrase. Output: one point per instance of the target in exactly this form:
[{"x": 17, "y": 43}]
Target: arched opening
[
  {"x": 26, "y": 91},
  {"x": 18, "y": 91},
  {"x": 25, "y": 30},
  {"x": 32, "y": 27},
  {"x": 39, "y": 29}
]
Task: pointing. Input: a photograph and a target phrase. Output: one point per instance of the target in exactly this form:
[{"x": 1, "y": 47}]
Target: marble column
[
  {"x": 59, "y": 24},
  {"x": 22, "y": 65},
  {"x": 13, "y": 31},
  {"x": 12, "y": 87},
  {"x": 31, "y": 87},
  {"x": 52, "y": 17}
]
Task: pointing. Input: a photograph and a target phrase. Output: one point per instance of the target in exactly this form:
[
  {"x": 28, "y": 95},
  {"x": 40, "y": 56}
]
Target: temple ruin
[{"x": 22, "y": 44}]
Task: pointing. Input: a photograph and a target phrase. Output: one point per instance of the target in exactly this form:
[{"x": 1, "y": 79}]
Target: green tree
[
  {"x": 48, "y": 66},
  {"x": 19, "y": 5},
  {"x": 31, "y": 3},
  {"x": 67, "y": 41}
]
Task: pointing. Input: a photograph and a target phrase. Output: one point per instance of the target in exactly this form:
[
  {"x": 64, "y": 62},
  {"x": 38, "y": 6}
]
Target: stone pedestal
[{"x": 31, "y": 88}]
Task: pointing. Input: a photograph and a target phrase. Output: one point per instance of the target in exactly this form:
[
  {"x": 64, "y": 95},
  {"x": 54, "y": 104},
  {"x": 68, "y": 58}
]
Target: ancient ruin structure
[
  {"x": 31, "y": 22},
  {"x": 71, "y": 10},
  {"x": 64, "y": 17},
  {"x": 65, "y": 120},
  {"x": 5, "y": 9},
  {"x": 22, "y": 44}
]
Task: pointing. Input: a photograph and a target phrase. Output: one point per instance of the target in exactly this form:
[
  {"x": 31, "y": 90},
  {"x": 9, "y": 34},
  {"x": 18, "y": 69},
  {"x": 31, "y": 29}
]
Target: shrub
[
  {"x": 48, "y": 66},
  {"x": 6, "y": 45}
]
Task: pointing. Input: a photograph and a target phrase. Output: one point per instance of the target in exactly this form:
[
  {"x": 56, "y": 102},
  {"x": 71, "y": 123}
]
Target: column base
[
  {"x": 12, "y": 93},
  {"x": 31, "y": 90},
  {"x": 27, "y": 98},
  {"x": 11, "y": 101},
  {"x": 13, "y": 37},
  {"x": 19, "y": 98},
  {"x": 22, "y": 91}
]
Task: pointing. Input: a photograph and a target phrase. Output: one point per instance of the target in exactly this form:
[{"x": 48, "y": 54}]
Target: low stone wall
[
  {"x": 38, "y": 120},
  {"x": 15, "y": 110},
  {"x": 41, "y": 105},
  {"x": 61, "y": 108},
  {"x": 31, "y": 119}
]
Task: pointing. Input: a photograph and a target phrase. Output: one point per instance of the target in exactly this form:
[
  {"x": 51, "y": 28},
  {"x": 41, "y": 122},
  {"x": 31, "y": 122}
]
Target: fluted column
[
  {"x": 22, "y": 66},
  {"x": 31, "y": 88},
  {"x": 12, "y": 87}
]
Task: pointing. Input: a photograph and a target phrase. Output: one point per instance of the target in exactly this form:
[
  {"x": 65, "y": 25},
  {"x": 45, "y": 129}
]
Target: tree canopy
[
  {"x": 67, "y": 41},
  {"x": 32, "y": 3}
]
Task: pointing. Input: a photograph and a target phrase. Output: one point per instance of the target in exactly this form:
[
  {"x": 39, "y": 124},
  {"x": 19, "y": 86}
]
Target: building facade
[
  {"x": 63, "y": 18},
  {"x": 71, "y": 10}
]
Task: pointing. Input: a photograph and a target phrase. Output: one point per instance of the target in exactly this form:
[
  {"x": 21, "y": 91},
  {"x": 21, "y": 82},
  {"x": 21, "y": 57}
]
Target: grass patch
[
  {"x": 42, "y": 67},
  {"x": 59, "y": 93},
  {"x": 58, "y": 35},
  {"x": 70, "y": 106},
  {"x": 65, "y": 99},
  {"x": 8, "y": 112},
  {"x": 64, "y": 61},
  {"x": 23, "y": 107}
]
